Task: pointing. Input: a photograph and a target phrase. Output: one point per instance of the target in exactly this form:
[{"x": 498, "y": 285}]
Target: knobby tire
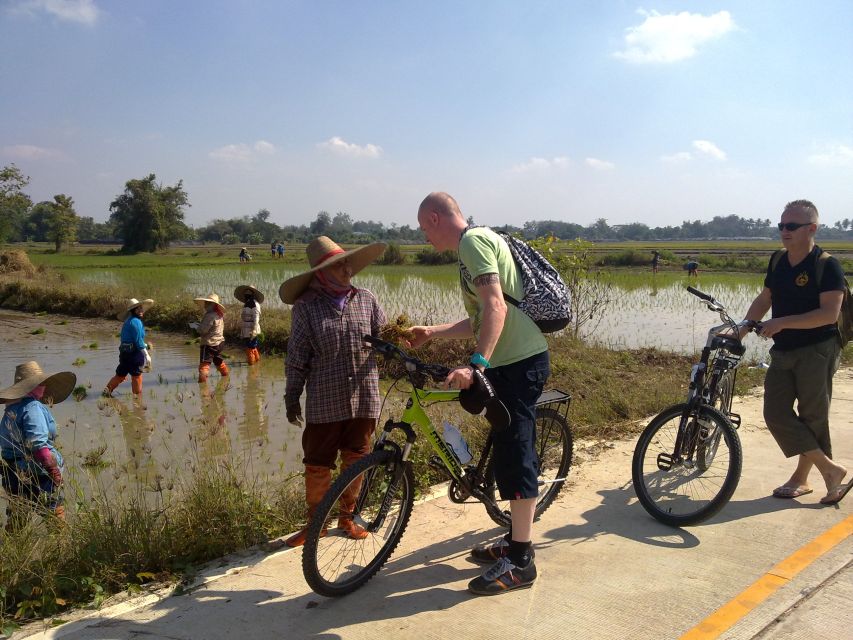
[{"x": 361, "y": 559}]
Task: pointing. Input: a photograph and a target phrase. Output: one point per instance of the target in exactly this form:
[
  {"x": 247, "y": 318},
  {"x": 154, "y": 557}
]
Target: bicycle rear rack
[{"x": 555, "y": 399}]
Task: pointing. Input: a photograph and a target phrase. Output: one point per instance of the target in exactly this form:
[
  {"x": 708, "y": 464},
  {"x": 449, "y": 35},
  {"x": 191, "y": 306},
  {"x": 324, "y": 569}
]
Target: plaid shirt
[{"x": 325, "y": 354}]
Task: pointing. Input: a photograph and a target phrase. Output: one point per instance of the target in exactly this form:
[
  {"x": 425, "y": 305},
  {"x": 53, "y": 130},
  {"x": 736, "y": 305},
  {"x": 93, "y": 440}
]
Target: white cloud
[
  {"x": 835, "y": 155},
  {"x": 341, "y": 147},
  {"x": 242, "y": 152},
  {"x": 82, "y": 11},
  {"x": 677, "y": 158},
  {"x": 599, "y": 165},
  {"x": 672, "y": 37},
  {"x": 264, "y": 147},
  {"x": 709, "y": 148},
  {"x": 30, "y": 152},
  {"x": 541, "y": 164}
]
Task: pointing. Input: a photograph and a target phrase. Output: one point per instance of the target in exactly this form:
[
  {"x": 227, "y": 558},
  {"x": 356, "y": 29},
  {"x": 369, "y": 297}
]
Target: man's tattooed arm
[{"x": 486, "y": 279}]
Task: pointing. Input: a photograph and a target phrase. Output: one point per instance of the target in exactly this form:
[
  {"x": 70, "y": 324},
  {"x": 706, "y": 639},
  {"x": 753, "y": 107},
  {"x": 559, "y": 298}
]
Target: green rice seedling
[
  {"x": 79, "y": 392},
  {"x": 79, "y": 362},
  {"x": 38, "y": 332}
]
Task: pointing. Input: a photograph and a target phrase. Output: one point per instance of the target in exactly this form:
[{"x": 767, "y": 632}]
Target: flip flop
[
  {"x": 790, "y": 492},
  {"x": 836, "y": 494}
]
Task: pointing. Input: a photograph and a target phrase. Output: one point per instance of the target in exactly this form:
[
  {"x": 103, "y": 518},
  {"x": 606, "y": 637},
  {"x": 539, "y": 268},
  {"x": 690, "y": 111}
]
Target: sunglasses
[{"x": 792, "y": 226}]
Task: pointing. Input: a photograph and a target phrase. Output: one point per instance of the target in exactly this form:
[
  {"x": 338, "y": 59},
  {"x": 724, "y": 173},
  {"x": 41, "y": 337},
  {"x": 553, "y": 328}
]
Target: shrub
[
  {"x": 433, "y": 257},
  {"x": 392, "y": 255}
]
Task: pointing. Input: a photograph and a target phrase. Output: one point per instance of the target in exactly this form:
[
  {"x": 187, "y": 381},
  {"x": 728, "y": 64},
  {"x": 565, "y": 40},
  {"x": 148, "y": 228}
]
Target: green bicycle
[{"x": 335, "y": 564}]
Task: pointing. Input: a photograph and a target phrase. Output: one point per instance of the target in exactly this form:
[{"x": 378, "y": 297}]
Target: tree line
[{"x": 148, "y": 216}]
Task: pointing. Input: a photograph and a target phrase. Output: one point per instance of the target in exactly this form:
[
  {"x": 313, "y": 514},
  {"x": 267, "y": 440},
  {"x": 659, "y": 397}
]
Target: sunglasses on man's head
[{"x": 792, "y": 226}]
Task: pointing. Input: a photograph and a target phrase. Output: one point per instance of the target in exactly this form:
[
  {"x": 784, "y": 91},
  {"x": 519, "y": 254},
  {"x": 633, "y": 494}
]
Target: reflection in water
[
  {"x": 137, "y": 429},
  {"x": 212, "y": 435},
  {"x": 254, "y": 421}
]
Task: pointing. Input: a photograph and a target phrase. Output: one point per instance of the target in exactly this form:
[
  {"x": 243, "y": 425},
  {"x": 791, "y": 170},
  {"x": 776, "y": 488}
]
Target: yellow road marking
[{"x": 726, "y": 616}]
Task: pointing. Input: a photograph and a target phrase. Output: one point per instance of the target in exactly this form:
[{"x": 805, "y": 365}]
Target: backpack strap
[
  {"x": 775, "y": 258},
  {"x": 819, "y": 265},
  {"x": 507, "y": 298}
]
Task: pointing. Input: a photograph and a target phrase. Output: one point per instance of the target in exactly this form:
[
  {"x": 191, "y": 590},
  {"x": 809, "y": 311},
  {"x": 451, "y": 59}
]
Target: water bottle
[{"x": 456, "y": 442}]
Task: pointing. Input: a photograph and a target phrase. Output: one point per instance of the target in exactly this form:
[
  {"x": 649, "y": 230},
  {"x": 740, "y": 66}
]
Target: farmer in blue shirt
[
  {"x": 133, "y": 351},
  {"x": 31, "y": 466}
]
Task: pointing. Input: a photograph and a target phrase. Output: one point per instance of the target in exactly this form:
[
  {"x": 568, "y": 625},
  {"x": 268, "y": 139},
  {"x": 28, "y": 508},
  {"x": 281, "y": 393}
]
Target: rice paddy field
[{"x": 647, "y": 310}]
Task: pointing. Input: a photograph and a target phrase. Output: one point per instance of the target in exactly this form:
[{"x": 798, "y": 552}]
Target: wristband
[{"x": 480, "y": 360}]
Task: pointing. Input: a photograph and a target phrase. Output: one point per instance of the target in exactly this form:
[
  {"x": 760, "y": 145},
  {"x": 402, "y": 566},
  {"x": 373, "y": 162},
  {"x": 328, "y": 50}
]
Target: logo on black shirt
[{"x": 802, "y": 280}]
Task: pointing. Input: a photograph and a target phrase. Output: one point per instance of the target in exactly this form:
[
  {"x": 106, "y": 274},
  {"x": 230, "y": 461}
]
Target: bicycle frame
[
  {"x": 700, "y": 393},
  {"x": 414, "y": 415}
]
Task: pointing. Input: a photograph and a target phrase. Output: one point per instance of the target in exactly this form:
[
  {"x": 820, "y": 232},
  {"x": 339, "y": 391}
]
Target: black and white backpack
[{"x": 546, "y": 298}]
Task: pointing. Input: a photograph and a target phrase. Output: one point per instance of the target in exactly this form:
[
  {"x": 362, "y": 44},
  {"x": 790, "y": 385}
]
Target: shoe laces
[{"x": 502, "y": 566}]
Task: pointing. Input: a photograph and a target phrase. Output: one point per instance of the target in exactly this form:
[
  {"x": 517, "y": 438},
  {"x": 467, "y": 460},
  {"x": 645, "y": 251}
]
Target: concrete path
[{"x": 607, "y": 569}]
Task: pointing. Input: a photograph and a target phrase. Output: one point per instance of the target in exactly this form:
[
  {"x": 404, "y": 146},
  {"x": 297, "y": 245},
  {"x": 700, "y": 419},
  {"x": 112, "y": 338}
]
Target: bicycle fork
[
  {"x": 400, "y": 461},
  {"x": 685, "y": 442}
]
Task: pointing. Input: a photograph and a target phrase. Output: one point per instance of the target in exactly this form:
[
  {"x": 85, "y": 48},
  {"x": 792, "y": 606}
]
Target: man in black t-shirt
[{"x": 805, "y": 351}]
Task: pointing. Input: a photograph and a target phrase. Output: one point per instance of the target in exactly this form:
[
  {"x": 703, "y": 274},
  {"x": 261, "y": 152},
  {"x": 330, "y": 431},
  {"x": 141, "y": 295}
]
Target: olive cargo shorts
[{"x": 805, "y": 375}]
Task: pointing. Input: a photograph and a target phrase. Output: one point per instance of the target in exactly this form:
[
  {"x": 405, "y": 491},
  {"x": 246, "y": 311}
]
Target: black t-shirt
[{"x": 794, "y": 291}]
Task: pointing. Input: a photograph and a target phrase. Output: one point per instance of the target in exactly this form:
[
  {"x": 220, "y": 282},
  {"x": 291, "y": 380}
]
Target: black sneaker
[
  {"x": 490, "y": 553},
  {"x": 494, "y": 552},
  {"x": 503, "y": 576}
]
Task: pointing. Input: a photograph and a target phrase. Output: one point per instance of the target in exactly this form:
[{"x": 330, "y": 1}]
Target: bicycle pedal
[
  {"x": 734, "y": 418},
  {"x": 665, "y": 461}
]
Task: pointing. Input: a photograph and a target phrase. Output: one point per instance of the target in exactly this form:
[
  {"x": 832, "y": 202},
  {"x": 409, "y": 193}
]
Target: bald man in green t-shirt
[{"x": 513, "y": 354}]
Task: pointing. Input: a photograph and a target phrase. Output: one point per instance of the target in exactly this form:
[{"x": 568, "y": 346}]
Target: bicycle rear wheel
[
  {"x": 335, "y": 564},
  {"x": 554, "y": 449},
  {"x": 686, "y": 487}
]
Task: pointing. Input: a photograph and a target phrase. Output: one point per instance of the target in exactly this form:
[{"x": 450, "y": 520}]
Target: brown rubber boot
[
  {"x": 203, "y": 372},
  {"x": 112, "y": 384},
  {"x": 257, "y": 355},
  {"x": 59, "y": 513},
  {"x": 223, "y": 369},
  {"x": 348, "y": 498},
  {"x": 136, "y": 385},
  {"x": 250, "y": 357},
  {"x": 317, "y": 482}
]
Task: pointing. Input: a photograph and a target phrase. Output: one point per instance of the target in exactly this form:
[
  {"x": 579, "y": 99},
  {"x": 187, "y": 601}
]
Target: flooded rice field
[
  {"x": 178, "y": 423},
  {"x": 646, "y": 311}
]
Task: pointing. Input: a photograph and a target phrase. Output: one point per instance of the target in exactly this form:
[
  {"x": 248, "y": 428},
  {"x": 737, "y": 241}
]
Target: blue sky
[{"x": 575, "y": 111}]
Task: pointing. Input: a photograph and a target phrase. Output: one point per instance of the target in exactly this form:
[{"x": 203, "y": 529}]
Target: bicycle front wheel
[
  {"x": 554, "y": 450},
  {"x": 692, "y": 484},
  {"x": 335, "y": 564}
]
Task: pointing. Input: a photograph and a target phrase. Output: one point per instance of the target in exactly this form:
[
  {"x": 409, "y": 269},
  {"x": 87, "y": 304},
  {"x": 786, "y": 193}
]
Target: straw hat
[
  {"x": 132, "y": 304},
  {"x": 211, "y": 298},
  {"x": 30, "y": 375},
  {"x": 324, "y": 252},
  {"x": 241, "y": 291}
]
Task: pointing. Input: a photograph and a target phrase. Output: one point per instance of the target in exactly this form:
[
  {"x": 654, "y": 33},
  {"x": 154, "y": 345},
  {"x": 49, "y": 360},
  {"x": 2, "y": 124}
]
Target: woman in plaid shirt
[{"x": 327, "y": 357}]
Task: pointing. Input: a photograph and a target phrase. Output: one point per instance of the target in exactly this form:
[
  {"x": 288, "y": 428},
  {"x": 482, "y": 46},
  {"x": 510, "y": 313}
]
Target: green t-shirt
[{"x": 482, "y": 251}]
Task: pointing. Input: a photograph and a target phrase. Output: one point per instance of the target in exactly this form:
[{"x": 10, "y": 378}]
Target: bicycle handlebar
[
  {"x": 699, "y": 294},
  {"x": 435, "y": 371}
]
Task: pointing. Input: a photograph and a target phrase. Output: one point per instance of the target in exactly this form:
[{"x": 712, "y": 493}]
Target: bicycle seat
[{"x": 480, "y": 397}]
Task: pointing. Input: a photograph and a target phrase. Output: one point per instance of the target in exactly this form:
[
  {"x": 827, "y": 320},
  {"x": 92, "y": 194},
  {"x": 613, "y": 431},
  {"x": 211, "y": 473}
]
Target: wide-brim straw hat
[
  {"x": 132, "y": 304},
  {"x": 29, "y": 375},
  {"x": 324, "y": 252},
  {"x": 211, "y": 298},
  {"x": 241, "y": 291}
]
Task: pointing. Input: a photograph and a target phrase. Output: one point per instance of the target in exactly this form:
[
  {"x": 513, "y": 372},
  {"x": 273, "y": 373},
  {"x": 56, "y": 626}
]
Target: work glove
[
  {"x": 45, "y": 458},
  {"x": 294, "y": 415},
  {"x": 147, "y": 366}
]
